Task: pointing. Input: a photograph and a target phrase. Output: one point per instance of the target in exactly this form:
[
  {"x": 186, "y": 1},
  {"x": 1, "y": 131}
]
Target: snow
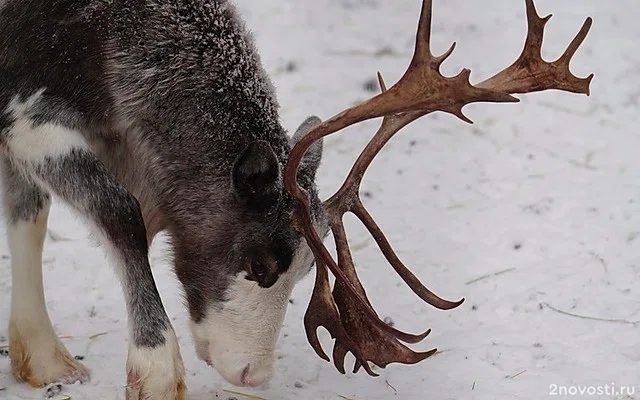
[{"x": 532, "y": 214}]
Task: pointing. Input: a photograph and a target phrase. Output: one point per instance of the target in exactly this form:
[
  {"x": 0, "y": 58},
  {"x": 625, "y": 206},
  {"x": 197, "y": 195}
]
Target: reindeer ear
[
  {"x": 256, "y": 176},
  {"x": 313, "y": 156}
]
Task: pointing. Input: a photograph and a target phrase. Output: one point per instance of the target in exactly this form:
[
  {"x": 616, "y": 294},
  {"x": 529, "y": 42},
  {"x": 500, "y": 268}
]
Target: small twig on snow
[
  {"x": 56, "y": 237},
  {"x": 516, "y": 375},
  {"x": 97, "y": 335},
  {"x": 483, "y": 277},
  {"x": 580, "y": 164},
  {"x": 249, "y": 396},
  {"x": 391, "y": 386},
  {"x": 616, "y": 321}
]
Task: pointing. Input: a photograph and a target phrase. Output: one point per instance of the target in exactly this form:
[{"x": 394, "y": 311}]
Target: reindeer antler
[{"x": 346, "y": 312}]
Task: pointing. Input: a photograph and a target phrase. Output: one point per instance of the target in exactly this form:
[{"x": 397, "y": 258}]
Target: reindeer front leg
[
  {"x": 37, "y": 355},
  {"x": 64, "y": 165},
  {"x": 154, "y": 365}
]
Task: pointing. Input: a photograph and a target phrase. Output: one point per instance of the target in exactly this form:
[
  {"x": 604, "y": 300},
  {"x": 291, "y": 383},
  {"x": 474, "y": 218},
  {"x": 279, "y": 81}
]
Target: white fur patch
[
  {"x": 34, "y": 143},
  {"x": 239, "y": 338},
  {"x": 26, "y": 240}
]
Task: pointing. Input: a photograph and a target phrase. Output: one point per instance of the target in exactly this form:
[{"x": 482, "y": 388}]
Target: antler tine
[
  {"x": 422, "y": 52},
  {"x": 383, "y": 86},
  {"x": 533, "y": 42},
  {"x": 405, "y": 273},
  {"x": 571, "y": 50},
  {"x": 346, "y": 311}
]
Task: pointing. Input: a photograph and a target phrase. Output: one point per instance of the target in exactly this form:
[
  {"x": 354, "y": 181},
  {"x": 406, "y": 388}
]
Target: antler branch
[
  {"x": 530, "y": 73},
  {"x": 346, "y": 311}
]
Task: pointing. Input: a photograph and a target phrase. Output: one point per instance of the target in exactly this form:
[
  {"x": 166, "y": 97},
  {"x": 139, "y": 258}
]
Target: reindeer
[{"x": 150, "y": 116}]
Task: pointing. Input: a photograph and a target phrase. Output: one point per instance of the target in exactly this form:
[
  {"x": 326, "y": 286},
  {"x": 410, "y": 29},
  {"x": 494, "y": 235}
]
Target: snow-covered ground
[{"x": 532, "y": 214}]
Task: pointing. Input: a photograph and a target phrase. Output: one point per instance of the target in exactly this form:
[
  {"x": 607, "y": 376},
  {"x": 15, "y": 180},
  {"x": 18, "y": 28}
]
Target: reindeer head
[{"x": 236, "y": 319}]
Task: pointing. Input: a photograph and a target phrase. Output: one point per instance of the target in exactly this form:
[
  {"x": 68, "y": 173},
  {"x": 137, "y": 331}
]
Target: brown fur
[
  {"x": 20, "y": 359},
  {"x": 154, "y": 222}
]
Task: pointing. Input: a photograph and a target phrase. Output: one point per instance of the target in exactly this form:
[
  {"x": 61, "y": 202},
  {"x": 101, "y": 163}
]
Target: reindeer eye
[
  {"x": 258, "y": 270},
  {"x": 262, "y": 272}
]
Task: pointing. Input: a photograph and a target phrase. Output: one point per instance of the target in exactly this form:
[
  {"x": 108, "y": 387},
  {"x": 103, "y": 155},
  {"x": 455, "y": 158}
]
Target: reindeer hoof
[
  {"x": 80, "y": 375},
  {"x": 44, "y": 364},
  {"x": 156, "y": 373},
  {"x": 137, "y": 389}
]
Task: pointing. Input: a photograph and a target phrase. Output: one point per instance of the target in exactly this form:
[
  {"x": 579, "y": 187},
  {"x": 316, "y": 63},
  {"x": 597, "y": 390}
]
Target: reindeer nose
[
  {"x": 251, "y": 376},
  {"x": 244, "y": 376}
]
